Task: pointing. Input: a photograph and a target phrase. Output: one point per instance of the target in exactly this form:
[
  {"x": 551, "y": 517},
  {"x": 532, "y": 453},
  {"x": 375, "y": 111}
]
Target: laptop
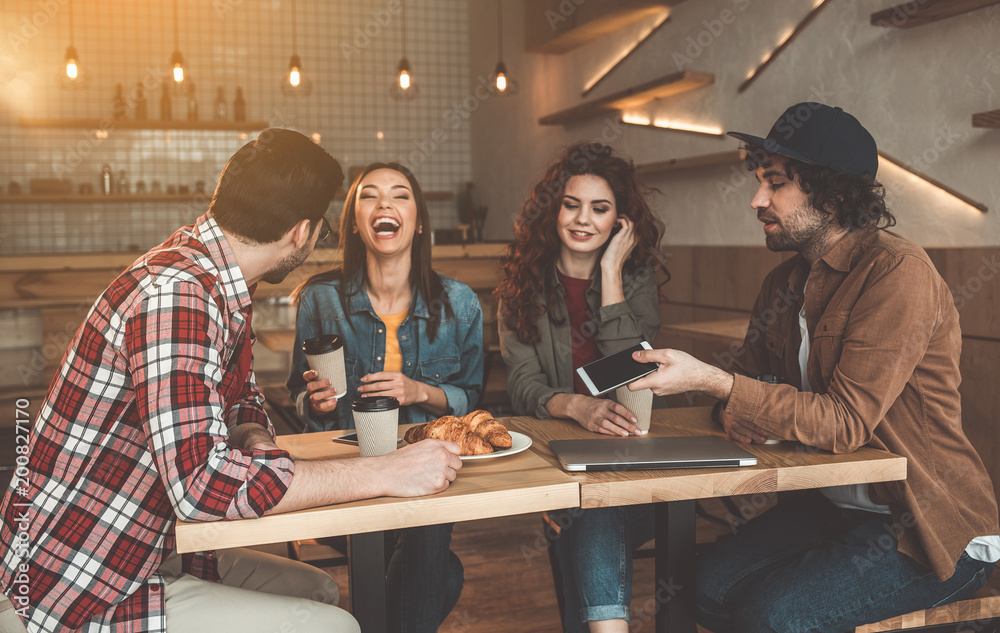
[{"x": 649, "y": 453}]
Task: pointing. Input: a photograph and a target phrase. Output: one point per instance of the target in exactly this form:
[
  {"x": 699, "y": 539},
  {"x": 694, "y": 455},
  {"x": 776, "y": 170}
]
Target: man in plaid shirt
[{"x": 155, "y": 414}]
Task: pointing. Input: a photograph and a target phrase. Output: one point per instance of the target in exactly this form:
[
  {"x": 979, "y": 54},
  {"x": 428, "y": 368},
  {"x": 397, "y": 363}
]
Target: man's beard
[
  {"x": 804, "y": 229},
  {"x": 289, "y": 263}
]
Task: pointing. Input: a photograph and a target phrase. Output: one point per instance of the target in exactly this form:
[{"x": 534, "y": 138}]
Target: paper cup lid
[
  {"x": 322, "y": 344},
  {"x": 375, "y": 403}
]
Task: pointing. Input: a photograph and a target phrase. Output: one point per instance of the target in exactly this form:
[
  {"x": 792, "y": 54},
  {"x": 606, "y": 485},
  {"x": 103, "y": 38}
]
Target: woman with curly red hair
[{"x": 580, "y": 283}]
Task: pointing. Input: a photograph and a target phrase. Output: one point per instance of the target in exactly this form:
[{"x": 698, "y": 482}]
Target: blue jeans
[
  {"x": 424, "y": 579},
  {"x": 808, "y": 566},
  {"x": 594, "y": 550}
]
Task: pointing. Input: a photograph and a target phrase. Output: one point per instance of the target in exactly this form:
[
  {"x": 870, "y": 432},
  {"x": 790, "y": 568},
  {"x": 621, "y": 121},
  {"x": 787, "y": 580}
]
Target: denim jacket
[{"x": 453, "y": 361}]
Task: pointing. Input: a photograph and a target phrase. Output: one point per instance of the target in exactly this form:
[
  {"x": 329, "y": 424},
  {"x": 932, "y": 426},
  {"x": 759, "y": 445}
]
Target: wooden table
[
  {"x": 503, "y": 486},
  {"x": 780, "y": 467},
  {"x": 533, "y": 481}
]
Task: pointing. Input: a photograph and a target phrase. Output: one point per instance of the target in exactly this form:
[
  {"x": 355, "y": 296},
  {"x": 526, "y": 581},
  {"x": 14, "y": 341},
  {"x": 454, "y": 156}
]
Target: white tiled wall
[{"x": 349, "y": 52}]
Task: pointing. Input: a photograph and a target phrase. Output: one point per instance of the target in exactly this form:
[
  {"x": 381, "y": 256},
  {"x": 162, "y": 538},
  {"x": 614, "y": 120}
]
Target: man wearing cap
[{"x": 855, "y": 341}]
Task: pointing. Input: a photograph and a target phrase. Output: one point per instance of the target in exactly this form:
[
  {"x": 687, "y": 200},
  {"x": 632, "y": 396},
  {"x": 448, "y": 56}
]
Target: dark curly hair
[
  {"x": 857, "y": 203},
  {"x": 536, "y": 244}
]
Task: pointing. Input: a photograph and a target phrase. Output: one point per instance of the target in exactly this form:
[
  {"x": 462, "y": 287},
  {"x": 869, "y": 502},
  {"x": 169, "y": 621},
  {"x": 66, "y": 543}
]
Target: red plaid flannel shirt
[{"x": 134, "y": 433}]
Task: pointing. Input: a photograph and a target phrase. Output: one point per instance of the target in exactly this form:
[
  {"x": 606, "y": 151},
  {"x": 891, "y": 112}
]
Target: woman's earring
[
  {"x": 420, "y": 229},
  {"x": 354, "y": 229}
]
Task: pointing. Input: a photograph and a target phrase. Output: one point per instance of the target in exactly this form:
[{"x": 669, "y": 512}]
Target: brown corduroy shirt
[{"x": 884, "y": 368}]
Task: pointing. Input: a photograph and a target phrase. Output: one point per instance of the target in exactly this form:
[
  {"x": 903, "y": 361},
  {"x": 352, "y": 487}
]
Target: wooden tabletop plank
[
  {"x": 780, "y": 467},
  {"x": 486, "y": 488}
]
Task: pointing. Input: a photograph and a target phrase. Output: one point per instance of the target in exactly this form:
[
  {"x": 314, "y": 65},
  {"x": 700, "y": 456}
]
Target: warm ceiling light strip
[
  {"x": 662, "y": 19},
  {"x": 937, "y": 183},
  {"x": 700, "y": 130},
  {"x": 791, "y": 35}
]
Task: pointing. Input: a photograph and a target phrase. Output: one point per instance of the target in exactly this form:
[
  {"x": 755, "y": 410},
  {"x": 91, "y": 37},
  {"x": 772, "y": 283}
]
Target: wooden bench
[{"x": 976, "y": 611}]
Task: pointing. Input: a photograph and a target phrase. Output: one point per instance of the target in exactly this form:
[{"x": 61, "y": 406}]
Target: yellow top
[{"x": 393, "y": 357}]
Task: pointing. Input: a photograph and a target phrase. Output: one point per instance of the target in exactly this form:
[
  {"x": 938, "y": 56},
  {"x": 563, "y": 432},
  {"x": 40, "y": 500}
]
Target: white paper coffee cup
[
  {"x": 376, "y": 419},
  {"x": 640, "y": 403},
  {"x": 325, "y": 355}
]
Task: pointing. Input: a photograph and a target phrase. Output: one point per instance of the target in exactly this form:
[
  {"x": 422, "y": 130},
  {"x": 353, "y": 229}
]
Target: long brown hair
[
  {"x": 536, "y": 244},
  {"x": 423, "y": 279}
]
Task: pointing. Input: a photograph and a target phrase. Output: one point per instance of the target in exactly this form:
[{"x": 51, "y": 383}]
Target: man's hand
[
  {"x": 680, "y": 372},
  {"x": 424, "y": 468},
  {"x": 741, "y": 430}
]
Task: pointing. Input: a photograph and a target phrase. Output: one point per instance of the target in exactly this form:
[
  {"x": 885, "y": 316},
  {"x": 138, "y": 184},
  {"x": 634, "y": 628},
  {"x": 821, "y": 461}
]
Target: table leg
[
  {"x": 674, "y": 587},
  {"x": 366, "y": 580}
]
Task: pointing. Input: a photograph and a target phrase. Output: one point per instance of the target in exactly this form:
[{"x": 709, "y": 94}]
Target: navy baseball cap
[{"x": 819, "y": 134}]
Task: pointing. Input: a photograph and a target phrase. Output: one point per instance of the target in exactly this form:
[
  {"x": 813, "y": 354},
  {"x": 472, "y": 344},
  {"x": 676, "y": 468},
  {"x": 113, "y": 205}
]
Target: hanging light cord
[
  {"x": 295, "y": 34},
  {"x": 71, "y": 23},
  {"x": 403, "y": 18},
  {"x": 500, "y": 29},
  {"x": 177, "y": 40}
]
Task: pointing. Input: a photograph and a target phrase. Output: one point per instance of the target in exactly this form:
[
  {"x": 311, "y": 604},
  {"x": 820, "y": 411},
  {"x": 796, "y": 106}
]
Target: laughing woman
[
  {"x": 580, "y": 284},
  {"x": 408, "y": 333}
]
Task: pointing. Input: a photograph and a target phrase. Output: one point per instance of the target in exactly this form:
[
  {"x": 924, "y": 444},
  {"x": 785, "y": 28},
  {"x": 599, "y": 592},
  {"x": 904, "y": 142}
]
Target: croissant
[
  {"x": 484, "y": 425},
  {"x": 477, "y": 433},
  {"x": 450, "y": 429}
]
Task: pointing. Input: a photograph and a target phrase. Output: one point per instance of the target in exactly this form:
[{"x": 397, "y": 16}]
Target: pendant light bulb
[
  {"x": 72, "y": 70},
  {"x": 294, "y": 72},
  {"x": 404, "y": 74},
  {"x": 177, "y": 61},
  {"x": 501, "y": 83},
  {"x": 501, "y": 77}
]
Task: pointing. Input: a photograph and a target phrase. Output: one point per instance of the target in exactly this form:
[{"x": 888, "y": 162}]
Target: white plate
[{"x": 518, "y": 442}]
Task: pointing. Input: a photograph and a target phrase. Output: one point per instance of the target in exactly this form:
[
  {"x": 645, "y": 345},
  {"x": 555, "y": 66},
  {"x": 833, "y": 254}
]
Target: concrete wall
[{"x": 914, "y": 89}]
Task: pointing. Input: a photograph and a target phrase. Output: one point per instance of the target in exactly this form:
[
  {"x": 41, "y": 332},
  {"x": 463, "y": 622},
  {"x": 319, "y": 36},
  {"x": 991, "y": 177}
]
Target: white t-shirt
[{"x": 855, "y": 497}]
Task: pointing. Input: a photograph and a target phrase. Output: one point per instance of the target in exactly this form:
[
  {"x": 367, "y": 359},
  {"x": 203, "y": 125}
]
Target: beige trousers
[
  {"x": 9, "y": 622},
  {"x": 258, "y": 592}
]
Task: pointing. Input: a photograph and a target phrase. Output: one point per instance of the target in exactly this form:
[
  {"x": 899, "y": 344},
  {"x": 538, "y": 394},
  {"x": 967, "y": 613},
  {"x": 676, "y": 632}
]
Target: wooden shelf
[
  {"x": 97, "y": 198},
  {"x": 550, "y": 27},
  {"x": 934, "y": 181},
  {"x": 128, "y": 124},
  {"x": 914, "y": 14},
  {"x": 668, "y": 86},
  {"x": 438, "y": 195},
  {"x": 986, "y": 119},
  {"x": 691, "y": 162},
  {"x": 181, "y": 197}
]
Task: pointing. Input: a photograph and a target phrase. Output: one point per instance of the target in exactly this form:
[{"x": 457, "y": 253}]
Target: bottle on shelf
[
  {"x": 239, "y": 106},
  {"x": 166, "y": 105},
  {"x": 221, "y": 107},
  {"x": 106, "y": 180},
  {"x": 192, "y": 103},
  {"x": 118, "y": 107},
  {"x": 123, "y": 187},
  {"x": 141, "y": 110}
]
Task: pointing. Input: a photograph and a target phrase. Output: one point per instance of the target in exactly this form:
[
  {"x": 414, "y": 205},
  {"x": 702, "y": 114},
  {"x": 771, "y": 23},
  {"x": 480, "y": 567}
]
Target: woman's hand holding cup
[{"x": 322, "y": 395}]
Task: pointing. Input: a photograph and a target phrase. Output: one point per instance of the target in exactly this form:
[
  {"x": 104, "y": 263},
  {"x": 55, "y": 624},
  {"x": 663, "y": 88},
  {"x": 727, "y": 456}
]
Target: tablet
[
  {"x": 611, "y": 372},
  {"x": 352, "y": 438}
]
